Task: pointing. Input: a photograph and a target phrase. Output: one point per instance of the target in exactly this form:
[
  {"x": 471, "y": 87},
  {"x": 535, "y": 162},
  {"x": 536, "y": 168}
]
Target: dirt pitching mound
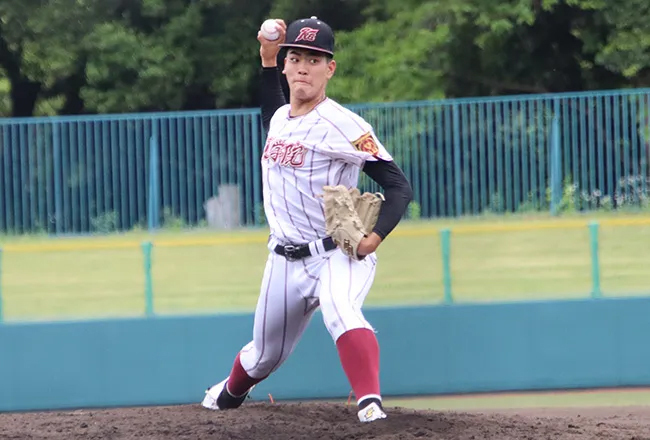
[{"x": 293, "y": 421}]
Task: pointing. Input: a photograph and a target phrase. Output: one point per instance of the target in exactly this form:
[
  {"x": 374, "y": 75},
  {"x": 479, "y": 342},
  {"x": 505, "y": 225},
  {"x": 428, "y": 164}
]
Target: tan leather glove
[
  {"x": 367, "y": 206},
  {"x": 350, "y": 216}
]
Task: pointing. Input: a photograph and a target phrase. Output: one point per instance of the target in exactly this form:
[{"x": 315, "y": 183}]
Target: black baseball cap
[{"x": 310, "y": 33}]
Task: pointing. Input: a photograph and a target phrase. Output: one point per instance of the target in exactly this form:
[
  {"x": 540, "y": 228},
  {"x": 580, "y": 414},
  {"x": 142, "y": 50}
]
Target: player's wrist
[
  {"x": 268, "y": 62},
  {"x": 374, "y": 238},
  {"x": 368, "y": 244}
]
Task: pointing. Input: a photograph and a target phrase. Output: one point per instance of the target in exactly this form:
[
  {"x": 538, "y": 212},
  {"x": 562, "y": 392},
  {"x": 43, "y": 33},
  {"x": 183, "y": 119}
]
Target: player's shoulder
[
  {"x": 351, "y": 124},
  {"x": 355, "y": 132},
  {"x": 280, "y": 114}
]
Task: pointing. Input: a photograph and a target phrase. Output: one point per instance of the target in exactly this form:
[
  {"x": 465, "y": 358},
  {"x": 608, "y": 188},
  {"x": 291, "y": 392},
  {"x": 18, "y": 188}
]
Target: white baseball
[{"x": 270, "y": 30}]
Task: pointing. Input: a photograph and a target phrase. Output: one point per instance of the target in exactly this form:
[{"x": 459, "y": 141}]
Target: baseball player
[{"x": 313, "y": 143}]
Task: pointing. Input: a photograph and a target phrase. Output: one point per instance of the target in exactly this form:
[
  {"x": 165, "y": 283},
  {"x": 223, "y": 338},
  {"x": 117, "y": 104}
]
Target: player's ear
[
  {"x": 284, "y": 66},
  {"x": 331, "y": 68}
]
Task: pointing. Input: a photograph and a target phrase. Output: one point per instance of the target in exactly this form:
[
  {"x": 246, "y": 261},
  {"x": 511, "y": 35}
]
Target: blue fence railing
[
  {"x": 579, "y": 151},
  {"x": 67, "y": 175}
]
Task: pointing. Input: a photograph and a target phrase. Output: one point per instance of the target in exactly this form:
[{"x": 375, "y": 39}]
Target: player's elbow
[
  {"x": 407, "y": 191},
  {"x": 403, "y": 189}
]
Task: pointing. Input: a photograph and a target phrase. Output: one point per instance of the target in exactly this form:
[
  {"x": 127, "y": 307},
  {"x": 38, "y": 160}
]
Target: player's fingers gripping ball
[
  {"x": 342, "y": 220},
  {"x": 270, "y": 30}
]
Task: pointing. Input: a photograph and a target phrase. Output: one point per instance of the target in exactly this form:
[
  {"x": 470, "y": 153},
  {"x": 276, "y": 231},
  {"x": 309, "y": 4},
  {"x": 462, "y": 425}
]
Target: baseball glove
[{"x": 350, "y": 216}]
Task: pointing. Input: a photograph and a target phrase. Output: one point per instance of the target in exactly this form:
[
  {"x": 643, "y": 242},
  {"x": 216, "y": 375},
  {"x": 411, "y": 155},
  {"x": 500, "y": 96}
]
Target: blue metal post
[
  {"x": 445, "y": 243},
  {"x": 555, "y": 166},
  {"x": 1, "y": 312},
  {"x": 458, "y": 171},
  {"x": 148, "y": 282},
  {"x": 595, "y": 261},
  {"x": 58, "y": 195},
  {"x": 153, "y": 215},
  {"x": 259, "y": 139}
]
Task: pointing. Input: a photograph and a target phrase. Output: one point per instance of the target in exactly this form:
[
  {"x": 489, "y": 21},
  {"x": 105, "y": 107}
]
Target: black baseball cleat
[
  {"x": 217, "y": 397},
  {"x": 371, "y": 410}
]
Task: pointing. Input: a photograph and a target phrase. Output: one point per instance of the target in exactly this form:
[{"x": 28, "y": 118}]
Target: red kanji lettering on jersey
[
  {"x": 307, "y": 34},
  {"x": 286, "y": 155},
  {"x": 367, "y": 144},
  {"x": 296, "y": 156}
]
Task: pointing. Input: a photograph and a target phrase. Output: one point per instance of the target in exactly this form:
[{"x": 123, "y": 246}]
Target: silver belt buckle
[{"x": 288, "y": 252}]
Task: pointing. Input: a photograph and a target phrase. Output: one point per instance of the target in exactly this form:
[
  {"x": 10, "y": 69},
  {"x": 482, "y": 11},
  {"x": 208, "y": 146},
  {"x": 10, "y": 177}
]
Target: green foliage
[
  {"x": 407, "y": 64},
  {"x": 414, "y": 211},
  {"x": 105, "y": 223},
  {"x": 627, "y": 50},
  {"x": 529, "y": 205},
  {"x": 567, "y": 203},
  {"x": 5, "y": 89},
  {"x": 131, "y": 71},
  {"x": 171, "y": 221},
  {"x": 260, "y": 214},
  {"x": 342, "y": 15},
  {"x": 497, "y": 204},
  {"x": 97, "y": 56},
  {"x": 632, "y": 195}
]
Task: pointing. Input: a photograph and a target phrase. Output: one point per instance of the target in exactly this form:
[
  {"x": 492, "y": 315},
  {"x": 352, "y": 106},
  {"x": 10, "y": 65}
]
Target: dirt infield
[{"x": 294, "y": 421}]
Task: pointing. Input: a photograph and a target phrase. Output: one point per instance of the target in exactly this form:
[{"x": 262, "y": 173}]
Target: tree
[
  {"x": 97, "y": 56},
  {"x": 402, "y": 58},
  {"x": 175, "y": 55},
  {"x": 625, "y": 49},
  {"x": 89, "y": 56},
  {"x": 430, "y": 49},
  {"x": 41, "y": 51},
  {"x": 341, "y": 15}
]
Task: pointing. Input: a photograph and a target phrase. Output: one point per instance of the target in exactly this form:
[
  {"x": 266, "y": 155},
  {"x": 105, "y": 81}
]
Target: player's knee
[
  {"x": 268, "y": 364},
  {"x": 262, "y": 363},
  {"x": 334, "y": 326},
  {"x": 331, "y": 316},
  {"x": 341, "y": 319}
]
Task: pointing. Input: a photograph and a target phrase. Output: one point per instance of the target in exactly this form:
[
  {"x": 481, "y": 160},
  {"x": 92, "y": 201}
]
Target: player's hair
[{"x": 328, "y": 57}]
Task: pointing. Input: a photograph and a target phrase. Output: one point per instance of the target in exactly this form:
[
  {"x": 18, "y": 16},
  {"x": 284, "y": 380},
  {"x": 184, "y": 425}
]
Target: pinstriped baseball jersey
[{"x": 327, "y": 146}]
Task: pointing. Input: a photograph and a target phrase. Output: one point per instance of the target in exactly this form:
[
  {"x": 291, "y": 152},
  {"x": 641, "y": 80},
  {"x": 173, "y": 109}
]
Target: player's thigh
[
  {"x": 345, "y": 283},
  {"x": 281, "y": 316}
]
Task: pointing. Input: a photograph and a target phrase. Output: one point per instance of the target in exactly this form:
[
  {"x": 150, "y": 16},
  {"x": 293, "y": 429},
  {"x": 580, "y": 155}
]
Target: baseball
[{"x": 270, "y": 30}]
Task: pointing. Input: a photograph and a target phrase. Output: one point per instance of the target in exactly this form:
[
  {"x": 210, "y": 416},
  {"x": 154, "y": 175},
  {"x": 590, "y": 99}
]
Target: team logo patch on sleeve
[{"x": 366, "y": 144}]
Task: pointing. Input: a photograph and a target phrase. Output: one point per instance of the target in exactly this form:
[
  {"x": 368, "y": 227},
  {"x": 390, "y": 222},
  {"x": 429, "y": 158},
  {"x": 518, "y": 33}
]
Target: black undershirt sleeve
[
  {"x": 272, "y": 97},
  {"x": 397, "y": 192}
]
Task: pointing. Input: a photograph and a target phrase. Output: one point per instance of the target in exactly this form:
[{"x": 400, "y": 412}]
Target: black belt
[{"x": 297, "y": 252}]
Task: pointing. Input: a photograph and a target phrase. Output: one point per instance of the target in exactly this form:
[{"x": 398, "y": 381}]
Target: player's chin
[
  {"x": 303, "y": 93},
  {"x": 301, "y": 87}
]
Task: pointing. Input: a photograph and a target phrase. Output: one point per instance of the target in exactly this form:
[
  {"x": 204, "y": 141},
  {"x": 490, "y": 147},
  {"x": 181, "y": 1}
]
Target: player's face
[{"x": 307, "y": 73}]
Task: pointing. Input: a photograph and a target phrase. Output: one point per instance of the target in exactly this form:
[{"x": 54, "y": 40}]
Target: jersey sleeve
[{"x": 352, "y": 139}]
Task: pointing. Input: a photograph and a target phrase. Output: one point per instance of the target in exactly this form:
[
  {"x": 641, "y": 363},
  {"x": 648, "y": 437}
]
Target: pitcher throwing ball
[{"x": 323, "y": 232}]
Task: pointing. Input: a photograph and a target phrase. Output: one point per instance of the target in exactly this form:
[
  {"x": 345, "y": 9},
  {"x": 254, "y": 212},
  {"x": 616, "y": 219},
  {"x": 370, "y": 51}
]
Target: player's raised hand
[{"x": 269, "y": 49}]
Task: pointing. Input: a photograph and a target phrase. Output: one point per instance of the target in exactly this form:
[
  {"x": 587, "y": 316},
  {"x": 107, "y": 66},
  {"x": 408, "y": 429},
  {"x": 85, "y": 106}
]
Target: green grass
[{"x": 527, "y": 258}]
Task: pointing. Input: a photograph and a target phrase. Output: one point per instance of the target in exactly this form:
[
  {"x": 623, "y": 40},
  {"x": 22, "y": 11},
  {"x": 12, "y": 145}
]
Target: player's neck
[{"x": 300, "y": 108}]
